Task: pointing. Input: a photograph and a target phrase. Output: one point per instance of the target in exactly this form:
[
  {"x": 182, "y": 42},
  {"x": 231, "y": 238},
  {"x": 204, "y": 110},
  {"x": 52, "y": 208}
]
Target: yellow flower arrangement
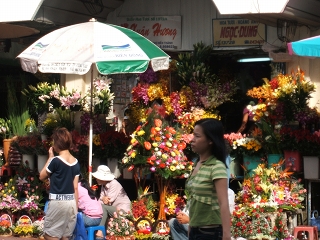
[
  {"x": 188, "y": 119},
  {"x": 24, "y": 230}
]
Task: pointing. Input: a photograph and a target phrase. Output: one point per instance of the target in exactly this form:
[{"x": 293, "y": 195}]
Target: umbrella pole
[{"x": 90, "y": 131}]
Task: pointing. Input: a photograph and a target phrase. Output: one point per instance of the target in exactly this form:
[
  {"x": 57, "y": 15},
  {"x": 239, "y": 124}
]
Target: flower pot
[
  {"x": 6, "y": 148},
  {"x": 274, "y": 159},
  {"x": 293, "y": 160},
  {"x": 28, "y": 160},
  {"x": 311, "y": 167},
  {"x": 251, "y": 163},
  {"x": 41, "y": 161}
]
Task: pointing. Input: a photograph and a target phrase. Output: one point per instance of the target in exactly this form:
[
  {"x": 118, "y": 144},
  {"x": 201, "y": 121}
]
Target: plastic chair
[
  {"x": 311, "y": 230},
  {"x": 91, "y": 231},
  {"x": 6, "y": 171}
]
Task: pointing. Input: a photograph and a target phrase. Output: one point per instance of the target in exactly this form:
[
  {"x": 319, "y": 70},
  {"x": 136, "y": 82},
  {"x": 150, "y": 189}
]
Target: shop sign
[
  {"x": 234, "y": 32},
  {"x": 164, "y": 31}
]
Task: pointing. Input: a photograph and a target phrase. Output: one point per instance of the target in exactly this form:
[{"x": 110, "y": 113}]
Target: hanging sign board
[
  {"x": 164, "y": 31},
  {"x": 234, "y": 32}
]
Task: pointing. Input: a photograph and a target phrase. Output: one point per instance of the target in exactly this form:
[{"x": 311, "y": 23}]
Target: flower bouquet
[
  {"x": 263, "y": 200},
  {"x": 158, "y": 146},
  {"x": 243, "y": 145},
  {"x": 101, "y": 96},
  {"x": 9, "y": 197},
  {"x": 45, "y": 97},
  {"x": 24, "y": 227},
  {"x": 5, "y": 225},
  {"x": 5, "y": 130},
  {"x": 121, "y": 225},
  {"x": 287, "y": 94},
  {"x": 271, "y": 188}
]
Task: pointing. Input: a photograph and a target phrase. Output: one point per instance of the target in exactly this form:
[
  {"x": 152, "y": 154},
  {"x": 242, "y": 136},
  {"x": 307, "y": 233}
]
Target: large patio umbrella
[
  {"x": 73, "y": 50},
  {"x": 309, "y": 47}
]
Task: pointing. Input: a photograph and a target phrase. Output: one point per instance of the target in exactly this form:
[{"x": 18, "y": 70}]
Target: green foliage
[
  {"x": 17, "y": 111},
  {"x": 192, "y": 66},
  {"x": 39, "y": 99},
  {"x": 58, "y": 118}
]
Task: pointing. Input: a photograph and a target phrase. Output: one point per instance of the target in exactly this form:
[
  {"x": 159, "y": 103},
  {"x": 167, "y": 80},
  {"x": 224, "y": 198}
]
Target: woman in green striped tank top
[{"x": 207, "y": 186}]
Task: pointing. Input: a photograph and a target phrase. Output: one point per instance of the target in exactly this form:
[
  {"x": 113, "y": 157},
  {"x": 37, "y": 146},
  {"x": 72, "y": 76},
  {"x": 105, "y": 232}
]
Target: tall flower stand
[{"x": 162, "y": 188}]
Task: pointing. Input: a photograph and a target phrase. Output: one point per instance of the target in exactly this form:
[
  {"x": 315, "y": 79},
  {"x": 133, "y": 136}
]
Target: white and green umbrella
[{"x": 73, "y": 50}]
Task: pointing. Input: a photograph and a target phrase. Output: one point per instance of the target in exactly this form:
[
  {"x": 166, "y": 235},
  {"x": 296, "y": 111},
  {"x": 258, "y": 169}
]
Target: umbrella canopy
[
  {"x": 309, "y": 47},
  {"x": 73, "y": 50}
]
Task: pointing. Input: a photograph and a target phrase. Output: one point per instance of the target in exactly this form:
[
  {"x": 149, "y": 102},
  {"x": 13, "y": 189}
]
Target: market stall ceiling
[
  {"x": 58, "y": 13},
  {"x": 305, "y": 12}
]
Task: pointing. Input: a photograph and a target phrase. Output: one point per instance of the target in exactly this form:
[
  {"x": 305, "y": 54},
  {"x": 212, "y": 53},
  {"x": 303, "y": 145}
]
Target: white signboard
[
  {"x": 238, "y": 32},
  {"x": 164, "y": 31}
]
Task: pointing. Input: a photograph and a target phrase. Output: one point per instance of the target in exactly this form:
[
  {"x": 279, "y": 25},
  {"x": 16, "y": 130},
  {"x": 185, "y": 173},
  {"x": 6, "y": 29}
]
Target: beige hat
[{"x": 103, "y": 173}]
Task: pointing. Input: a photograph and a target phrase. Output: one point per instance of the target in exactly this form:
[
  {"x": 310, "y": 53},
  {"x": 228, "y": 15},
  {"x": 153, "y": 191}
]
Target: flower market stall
[{"x": 165, "y": 105}]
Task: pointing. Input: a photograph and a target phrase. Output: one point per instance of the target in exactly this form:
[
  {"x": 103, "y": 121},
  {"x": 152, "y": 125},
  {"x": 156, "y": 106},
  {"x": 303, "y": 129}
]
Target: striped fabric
[{"x": 203, "y": 195}]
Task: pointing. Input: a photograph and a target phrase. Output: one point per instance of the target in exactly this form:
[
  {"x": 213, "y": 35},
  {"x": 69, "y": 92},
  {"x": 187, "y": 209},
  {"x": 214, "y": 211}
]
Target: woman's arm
[
  {"x": 244, "y": 122},
  {"x": 44, "y": 174},
  {"x": 113, "y": 190},
  {"x": 75, "y": 186},
  {"x": 221, "y": 186}
]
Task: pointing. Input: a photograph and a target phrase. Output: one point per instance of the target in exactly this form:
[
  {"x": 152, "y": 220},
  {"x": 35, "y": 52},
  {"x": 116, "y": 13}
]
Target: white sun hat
[{"x": 103, "y": 173}]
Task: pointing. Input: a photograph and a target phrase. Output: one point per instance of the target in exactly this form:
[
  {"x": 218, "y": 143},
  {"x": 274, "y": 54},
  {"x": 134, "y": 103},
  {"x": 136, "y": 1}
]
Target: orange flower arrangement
[{"x": 158, "y": 147}]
